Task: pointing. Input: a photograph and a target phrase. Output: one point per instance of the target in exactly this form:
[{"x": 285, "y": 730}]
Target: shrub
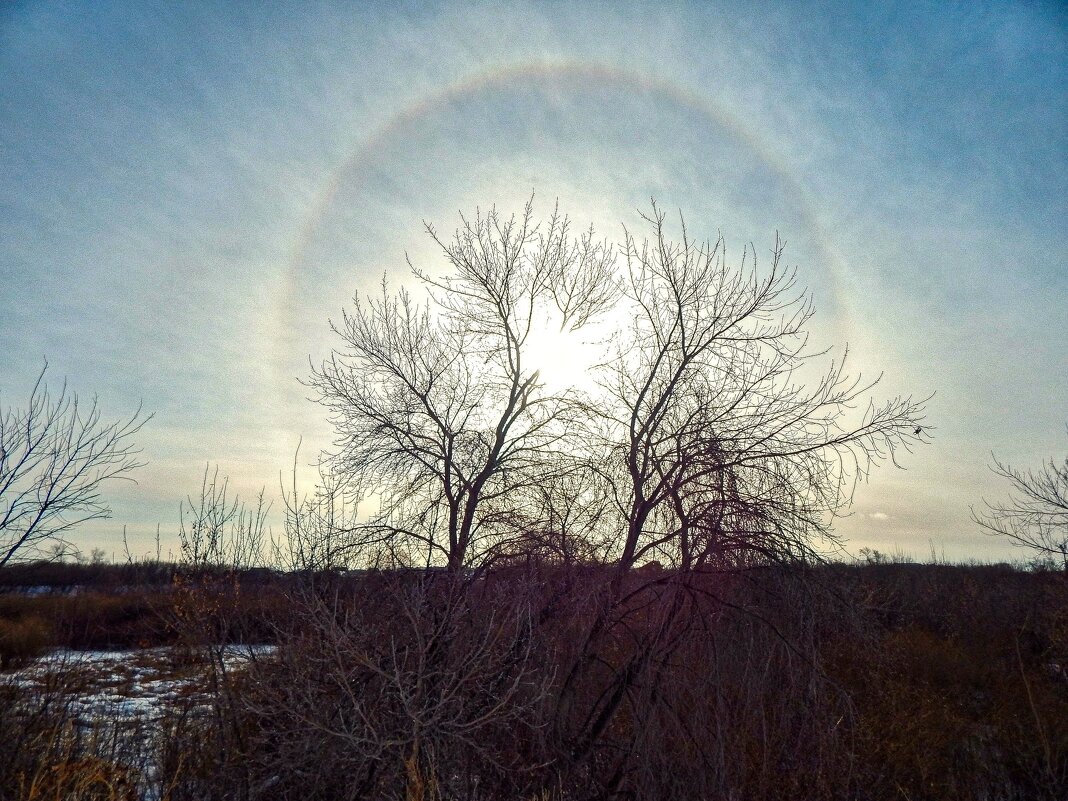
[{"x": 22, "y": 641}]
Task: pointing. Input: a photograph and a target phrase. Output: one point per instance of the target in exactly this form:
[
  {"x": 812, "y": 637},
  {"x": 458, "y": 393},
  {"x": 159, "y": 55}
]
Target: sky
[{"x": 190, "y": 192}]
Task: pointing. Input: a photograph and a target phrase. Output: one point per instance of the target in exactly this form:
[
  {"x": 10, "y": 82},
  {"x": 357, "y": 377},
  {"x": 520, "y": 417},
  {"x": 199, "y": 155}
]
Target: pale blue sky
[{"x": 189, "y": 192}]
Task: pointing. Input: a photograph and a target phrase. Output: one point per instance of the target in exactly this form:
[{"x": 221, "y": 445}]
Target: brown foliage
[
  {"x": 22, "y": 640},
  {"x": 877, "y": 682}
]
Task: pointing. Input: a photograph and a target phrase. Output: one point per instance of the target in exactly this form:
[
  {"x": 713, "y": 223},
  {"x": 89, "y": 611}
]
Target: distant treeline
[
  {"x": 56, "y": 575},
  {"x": 134, "y": 604},
  {"x": 63, "y": 575}
]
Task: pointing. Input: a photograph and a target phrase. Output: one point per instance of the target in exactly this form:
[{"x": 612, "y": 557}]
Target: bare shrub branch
[
  {"x": 55, "y": 456},
  {"x": 1035, "y": 515}
]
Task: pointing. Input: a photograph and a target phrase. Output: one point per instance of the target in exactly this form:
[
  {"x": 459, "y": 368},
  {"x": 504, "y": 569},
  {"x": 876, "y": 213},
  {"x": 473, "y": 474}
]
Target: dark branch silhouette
[
  {"x": 1035, "y": 515},
  {"x": 56, "y": 454}
]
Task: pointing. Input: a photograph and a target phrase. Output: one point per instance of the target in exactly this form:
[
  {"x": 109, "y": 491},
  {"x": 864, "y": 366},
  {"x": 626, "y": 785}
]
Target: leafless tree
[
  {"x": 717, "y": 447},
  {"x": 220, "y": 530},
  {"x": 318, "y": 524},
  {"x": 55, "y": 456},
  {"x": 438, "y": 413},
  {"x": 220, "y": 536},
  {"x": 704, "y": 443},
  {"x": 1035, "y": 515}
]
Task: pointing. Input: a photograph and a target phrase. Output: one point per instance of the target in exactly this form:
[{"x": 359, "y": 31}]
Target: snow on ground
[
  {"x": 129, "y": 684},
  {"x": 126, "y": 694}
]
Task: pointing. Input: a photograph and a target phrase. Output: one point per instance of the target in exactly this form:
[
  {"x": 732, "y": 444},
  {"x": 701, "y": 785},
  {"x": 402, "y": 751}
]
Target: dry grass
[{"x": 867, "y": 683}]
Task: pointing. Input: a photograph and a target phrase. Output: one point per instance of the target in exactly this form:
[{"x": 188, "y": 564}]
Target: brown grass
[{"x": 861, "y": 683}]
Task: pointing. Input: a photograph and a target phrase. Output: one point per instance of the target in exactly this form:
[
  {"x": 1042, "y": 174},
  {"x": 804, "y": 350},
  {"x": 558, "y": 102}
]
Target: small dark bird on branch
[{"x": 918, "y": 431}]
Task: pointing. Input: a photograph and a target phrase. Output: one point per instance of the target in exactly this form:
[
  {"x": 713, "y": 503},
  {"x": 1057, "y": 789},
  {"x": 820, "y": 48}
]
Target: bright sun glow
[{"x": 564, "y": 359}]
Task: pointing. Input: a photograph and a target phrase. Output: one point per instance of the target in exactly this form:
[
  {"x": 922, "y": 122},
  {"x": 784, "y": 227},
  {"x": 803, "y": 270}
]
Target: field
[{"x": 868, "y": 681}]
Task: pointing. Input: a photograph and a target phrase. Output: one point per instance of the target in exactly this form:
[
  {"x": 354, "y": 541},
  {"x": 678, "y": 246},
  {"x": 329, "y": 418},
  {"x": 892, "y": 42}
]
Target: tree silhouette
[
  {"x": 1035, "y": 515},
  {"x": 700, "y": 443},
  {"x": 55, "y": 455}
]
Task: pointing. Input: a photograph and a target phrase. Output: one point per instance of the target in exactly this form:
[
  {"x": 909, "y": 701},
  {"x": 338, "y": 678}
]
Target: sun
[{"x": 565, "y": 360}]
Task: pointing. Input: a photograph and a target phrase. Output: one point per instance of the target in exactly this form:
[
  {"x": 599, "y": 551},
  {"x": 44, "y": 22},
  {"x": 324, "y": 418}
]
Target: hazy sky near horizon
[{"x": 189, "y": 192}]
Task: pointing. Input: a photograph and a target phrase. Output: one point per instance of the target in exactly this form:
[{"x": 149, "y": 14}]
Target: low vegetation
[{"x": 869, "y": 681}]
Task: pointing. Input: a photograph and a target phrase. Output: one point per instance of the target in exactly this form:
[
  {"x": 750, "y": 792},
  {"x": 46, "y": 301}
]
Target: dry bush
[
  {"x": 98, "y": 618},
  {"x": 81, "y": 779},
  {"x": 23, "y": 640},
  {"x": 722, "y": 695},
  {"x": 825, "y": 683},
  {"x": 536, "y": 679},
  {"x": 403, "y": 685},
  {"x": 953, "y": 684},
  {"x": 51, "y": 754}
]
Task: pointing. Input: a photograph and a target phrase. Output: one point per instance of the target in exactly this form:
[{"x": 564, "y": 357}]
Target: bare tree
[
  {"x": 438, "y": 413},
  {"x": 318, "y": 524},
  {"x": 1035, "y": 515},
  {"x": 216, "y": 530},
  {"x": 55, "y": 456},
  {"x": 716, "y": 447}
]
